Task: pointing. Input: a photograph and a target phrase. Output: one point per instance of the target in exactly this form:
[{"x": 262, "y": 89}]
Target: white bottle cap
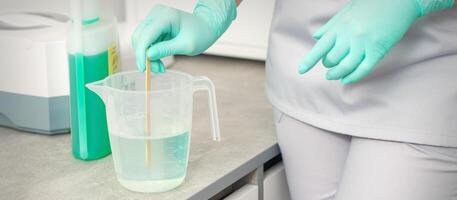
[{"x": 90, "y": 11}]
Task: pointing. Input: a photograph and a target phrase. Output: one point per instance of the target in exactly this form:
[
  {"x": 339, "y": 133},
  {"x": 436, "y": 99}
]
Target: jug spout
[{"x": 98, "y": 87}]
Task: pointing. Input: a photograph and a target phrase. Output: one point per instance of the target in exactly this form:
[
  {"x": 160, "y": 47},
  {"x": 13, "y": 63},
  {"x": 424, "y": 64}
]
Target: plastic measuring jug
[{"x": 153, "y": 161}]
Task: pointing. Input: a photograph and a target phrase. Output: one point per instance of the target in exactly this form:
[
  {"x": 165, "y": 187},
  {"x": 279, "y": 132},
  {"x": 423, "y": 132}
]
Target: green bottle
[{"x": 93, "y": 54}]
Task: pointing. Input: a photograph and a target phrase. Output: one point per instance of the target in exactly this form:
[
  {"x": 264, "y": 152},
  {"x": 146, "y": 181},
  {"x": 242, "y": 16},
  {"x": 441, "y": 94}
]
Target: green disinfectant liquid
[
  {"x": 88, "y": 117},
  {"x": 93, "y": 54}
]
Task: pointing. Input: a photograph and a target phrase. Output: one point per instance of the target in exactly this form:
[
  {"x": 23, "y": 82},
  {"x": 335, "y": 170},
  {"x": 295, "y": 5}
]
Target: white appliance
[{"x": 33, "y": 72}]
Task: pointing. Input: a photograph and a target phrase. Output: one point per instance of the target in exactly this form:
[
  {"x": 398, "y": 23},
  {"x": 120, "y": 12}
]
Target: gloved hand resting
[
  {"x": 354, "y": 41},
  {"x": 167, "y": 31}
]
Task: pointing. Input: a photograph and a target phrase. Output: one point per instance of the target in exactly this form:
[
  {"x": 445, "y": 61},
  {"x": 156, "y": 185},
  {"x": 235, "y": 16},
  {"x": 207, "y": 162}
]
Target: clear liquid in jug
[{"x": 167, "y": 165}]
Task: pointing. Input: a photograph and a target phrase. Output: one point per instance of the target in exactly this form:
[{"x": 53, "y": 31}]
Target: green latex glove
[
  {"x": 167, "y": 31},
  {"x": 355, "y": 40}
]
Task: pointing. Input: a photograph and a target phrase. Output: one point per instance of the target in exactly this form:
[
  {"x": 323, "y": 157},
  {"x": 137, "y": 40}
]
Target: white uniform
[
  {"x": 410, "y": 97},
  {"x": 360, "y": 145},
  {"x": 321, "y": 165}
]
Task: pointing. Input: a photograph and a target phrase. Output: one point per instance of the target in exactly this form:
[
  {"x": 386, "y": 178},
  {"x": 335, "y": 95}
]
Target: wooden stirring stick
[{"x": 148, "y": 114}]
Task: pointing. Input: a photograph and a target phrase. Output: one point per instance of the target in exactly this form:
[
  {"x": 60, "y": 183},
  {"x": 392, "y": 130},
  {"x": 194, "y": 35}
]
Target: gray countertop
[{"x": 42, "y": 167}]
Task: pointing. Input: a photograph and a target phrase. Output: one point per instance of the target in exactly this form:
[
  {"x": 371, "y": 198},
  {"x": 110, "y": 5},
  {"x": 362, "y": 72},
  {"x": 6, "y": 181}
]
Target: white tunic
[{"x": 410, "y": 97}]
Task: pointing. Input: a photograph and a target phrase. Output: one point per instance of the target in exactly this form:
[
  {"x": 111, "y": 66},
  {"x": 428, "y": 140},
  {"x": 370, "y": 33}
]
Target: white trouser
[{"x": 324, "y": 165}]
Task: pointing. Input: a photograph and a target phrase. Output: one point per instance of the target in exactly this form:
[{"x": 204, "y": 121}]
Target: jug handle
[{"x": 204, "y": 83}]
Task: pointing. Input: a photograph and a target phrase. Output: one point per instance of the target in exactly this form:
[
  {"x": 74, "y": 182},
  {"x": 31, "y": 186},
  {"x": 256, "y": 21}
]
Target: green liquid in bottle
[{"x": 89, "y": 131}]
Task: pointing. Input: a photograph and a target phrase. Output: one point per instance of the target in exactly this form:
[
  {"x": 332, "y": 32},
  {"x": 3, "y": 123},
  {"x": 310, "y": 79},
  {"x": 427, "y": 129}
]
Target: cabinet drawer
[
  {"x": 247, "y": 192},
  {"x": 275, "y": 183}
]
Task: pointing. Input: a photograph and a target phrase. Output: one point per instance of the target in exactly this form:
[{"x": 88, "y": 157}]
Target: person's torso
[{"x": 413, "y": 88}]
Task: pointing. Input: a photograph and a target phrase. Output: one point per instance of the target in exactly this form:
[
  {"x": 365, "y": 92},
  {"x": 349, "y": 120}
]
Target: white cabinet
[
  {"x": 247, "y": 192},
  {"x": 274, "y": 186},
  {"x": 275, "y": 183},
  {"x": 247, "y": 37}
]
